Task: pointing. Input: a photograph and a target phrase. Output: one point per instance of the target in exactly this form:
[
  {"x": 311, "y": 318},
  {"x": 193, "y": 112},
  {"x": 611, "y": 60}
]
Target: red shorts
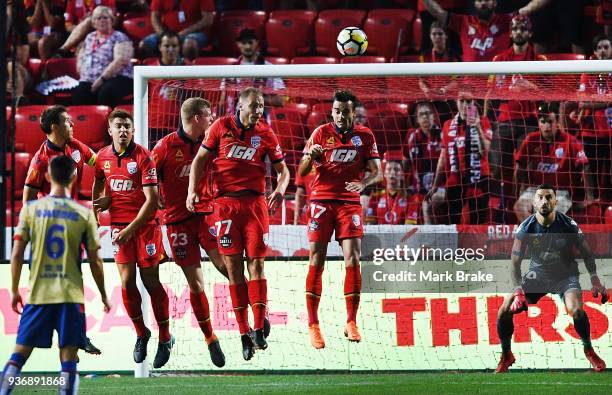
[
  {"x": 186, "y": 237},
  {"x": 144, "y": 248},
  {"x": 241, "y": 224},
  {"x": 326, "y": 217}
]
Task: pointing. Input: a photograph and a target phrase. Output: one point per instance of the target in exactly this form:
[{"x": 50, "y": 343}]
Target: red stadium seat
[
  {"x": 28, "y": 136},
  {"x": 302, "y": 108},
  {"x": 314, "y": 60},
  {"x": 90, "y": 125},
  {"x": 138, "y": 28},
  {"x": 87, "y": 180},
  {"x": 363, "y": 59},
  {"x": 215, "y": 60},
  {"x": 289, "y": 33},
  {"x": 127, "y": 107},
  {"x": 35, "y": 66},
  {"x": 277, "y": 60},
  {"x": 22, "y": 162},
  {"x": 288, "y": 125},
  {"x": 389, "y": 123},
  {"x": 330, "y": 23},
  {"x": 564, "y": 56},
  {"x": 232, "y": 22},
  {"x": 57, "y": 67},
  {"x": 384, "y": 27}
]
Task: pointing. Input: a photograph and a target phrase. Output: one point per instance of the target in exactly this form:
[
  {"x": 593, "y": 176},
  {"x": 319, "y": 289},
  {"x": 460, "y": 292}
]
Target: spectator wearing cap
[
  {"x": 550, "y": 156},
  {"x": 391, "y": 205},
  {"x": 514, "y": 118},
  {"x": 196, "y": 15},
  {"x": 250, "y": 54},
  {"x": 104, "y": 63}
]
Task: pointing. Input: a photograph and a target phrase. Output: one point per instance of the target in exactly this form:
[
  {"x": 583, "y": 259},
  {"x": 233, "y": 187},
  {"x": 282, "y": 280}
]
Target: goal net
[{"x": 495, "y": 117}]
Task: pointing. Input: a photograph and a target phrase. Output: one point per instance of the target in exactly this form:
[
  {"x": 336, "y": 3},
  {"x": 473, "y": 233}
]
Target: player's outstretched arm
[
  {"x": 195, "y": 175},
  {"x": 589, "y": 262},
  {"x": 97, "y": 271},
  {"x": 276, "y": 197},
  {"x": 16, "y": 265}
]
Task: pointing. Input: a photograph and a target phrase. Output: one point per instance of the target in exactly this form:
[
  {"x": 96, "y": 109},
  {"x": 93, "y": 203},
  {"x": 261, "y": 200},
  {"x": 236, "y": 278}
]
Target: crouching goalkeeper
[{"x": 550, "y": 237}]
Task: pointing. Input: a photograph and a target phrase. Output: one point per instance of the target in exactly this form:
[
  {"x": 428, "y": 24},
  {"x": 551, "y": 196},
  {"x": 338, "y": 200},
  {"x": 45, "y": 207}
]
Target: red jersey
[
  {"x": 344, "y": 158},
  {"x": 240, "y": 164},
  {"x": 189, "y": 11},
  {"x": 464, "y": 162},
  {"x": 514, "y": 109},
  {"x": 75, "y": 149},
  {"x": 387, "y": 209},
  {"x": 423, "y": 152},
  {"x": 125, "y": 176},
  {"x": 480, "y": 40},
  {"x": 173, "y": 156},
  {"x": 598, "y": 84},
  {"x": 77, "y": 10},
  {"x": 558, "y": 163}
]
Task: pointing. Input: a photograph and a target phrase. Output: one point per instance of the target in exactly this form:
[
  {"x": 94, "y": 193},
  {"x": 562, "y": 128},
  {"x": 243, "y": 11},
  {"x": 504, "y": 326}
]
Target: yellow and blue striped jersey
[{"x": 58, "y": 228}]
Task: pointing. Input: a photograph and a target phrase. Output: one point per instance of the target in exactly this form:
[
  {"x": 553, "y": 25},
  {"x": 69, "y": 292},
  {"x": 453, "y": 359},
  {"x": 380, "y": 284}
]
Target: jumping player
[
  {"x": 58, "y": 228},
  {"x": 339, "y": 151},
  {"x": 187, "y": 232},
  {"x": 126, "y": 171},
  {"x": 242, "y": 142},
  {"x": 550, "y": 237}
]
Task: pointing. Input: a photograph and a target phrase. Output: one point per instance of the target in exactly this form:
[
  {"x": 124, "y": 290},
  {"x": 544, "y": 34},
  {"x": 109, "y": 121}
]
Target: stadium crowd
[{"x": 450, "y": 158}]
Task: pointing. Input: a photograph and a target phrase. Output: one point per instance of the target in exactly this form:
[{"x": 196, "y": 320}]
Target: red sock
[
  {"x": 199, "y": 303},
  {"x": 240, "y": 302},
  {"x": 314, "y": 287},
  {"x": 159, "y": 302},
  {"x": 258, "y": 296},
  {"x": 132, "y": 301},
  {"x": 352, "y": 291}
]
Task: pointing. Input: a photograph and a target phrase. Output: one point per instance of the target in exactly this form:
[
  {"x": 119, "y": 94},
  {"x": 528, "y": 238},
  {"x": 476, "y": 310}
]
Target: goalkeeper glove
[
  {"x": 520, "y": 302},
  {"x": 598, "y": 289}
]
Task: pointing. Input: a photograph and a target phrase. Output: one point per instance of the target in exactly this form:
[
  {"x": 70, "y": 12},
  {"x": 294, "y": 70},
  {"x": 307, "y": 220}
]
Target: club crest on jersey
[
  {"x": 150, "y": 248},
  {"x": 212, "y": 231},
  {"x": 494, "y": 29},
  {"x": 76, "y": 156},
  {"x": 331, "y": 140},
  {"x": 255, "y": 141},
  {"x": 356, "y": 140},
  {"x": 179, "y": 156},
  {"x": 356, "y": 220},
  {"x": 559, "y": 152},
  {"x": 132, "y": 167}
]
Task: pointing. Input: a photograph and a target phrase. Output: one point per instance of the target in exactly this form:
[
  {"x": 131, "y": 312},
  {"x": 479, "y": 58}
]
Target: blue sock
[
  {"x": 69, "y": 378},
  {"x": 12, "y": 369}
]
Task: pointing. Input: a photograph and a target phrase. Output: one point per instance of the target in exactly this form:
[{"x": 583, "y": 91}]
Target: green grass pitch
[{"x": 514, "y": 383}]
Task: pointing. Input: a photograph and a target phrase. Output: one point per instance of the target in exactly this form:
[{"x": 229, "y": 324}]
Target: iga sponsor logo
[
  {"x": 120, "y": 185},
  {"x": 343, "y": 155},
  {"x": 132, "y": 167},
  {"x": 184, "y": 171},
  {"x": 241, "y": 152}
]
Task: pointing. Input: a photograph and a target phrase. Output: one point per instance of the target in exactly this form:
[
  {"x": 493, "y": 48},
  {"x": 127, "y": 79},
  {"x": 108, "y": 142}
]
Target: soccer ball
[{"x": 352, "y": 41}]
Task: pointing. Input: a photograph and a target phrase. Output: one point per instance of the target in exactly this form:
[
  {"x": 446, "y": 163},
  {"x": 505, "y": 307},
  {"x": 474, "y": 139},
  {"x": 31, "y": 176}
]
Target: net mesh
[
  {"x": 485, "y": 188},
  {"x": 417, "y": 330}
]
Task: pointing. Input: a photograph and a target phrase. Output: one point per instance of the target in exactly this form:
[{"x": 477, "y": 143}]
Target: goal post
[{"x": 389, "y": 83}]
